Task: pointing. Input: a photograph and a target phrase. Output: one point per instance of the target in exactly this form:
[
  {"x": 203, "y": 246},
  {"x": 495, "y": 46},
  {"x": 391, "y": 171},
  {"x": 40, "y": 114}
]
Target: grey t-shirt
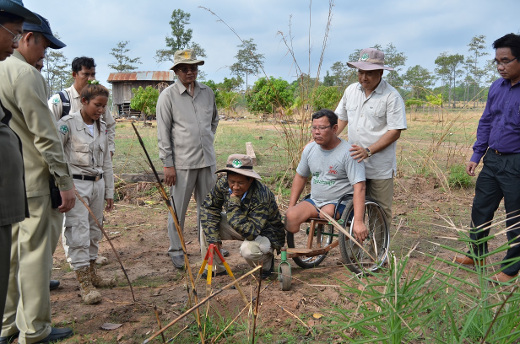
[{"x": 333, "y": 172}]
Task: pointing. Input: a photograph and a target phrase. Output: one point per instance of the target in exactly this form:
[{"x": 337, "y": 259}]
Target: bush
[
  {"x": 458, "y": 177},
  {"x": 268, "y": 95},
  {"x": 325, "y": 97},
  {"x": 144, "y": 100}
]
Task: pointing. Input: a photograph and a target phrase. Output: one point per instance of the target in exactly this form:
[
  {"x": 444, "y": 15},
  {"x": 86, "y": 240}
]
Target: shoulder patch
[
  {"x": 56, "y": 99},
  {"x": 64, "y": 129}
]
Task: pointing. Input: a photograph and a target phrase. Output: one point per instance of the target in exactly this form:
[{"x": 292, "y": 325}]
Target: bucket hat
[
  {"x": 370, "y": 59},
  {"x": 186, "y": 56},
  {"x": 241, "y": 164}
]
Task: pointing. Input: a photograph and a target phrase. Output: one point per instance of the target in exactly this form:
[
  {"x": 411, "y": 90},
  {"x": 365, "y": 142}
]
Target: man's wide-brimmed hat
[
  {"x": 241, "y": 164},
  {"x": 187, "y": 57},
  {"x": 370, "y": 59},
  {"x": 45, "y": 29},
  {"x": 16, "y": 7}
]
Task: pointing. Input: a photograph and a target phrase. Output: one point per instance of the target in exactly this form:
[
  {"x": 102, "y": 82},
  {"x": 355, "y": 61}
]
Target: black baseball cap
[{"x": 45, "y": 29}]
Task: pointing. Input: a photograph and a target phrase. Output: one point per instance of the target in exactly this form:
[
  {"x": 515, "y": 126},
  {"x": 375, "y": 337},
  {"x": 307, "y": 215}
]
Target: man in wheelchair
[
  {"x": 334, "y": 173},
  {"x": 241, "y": 207}
]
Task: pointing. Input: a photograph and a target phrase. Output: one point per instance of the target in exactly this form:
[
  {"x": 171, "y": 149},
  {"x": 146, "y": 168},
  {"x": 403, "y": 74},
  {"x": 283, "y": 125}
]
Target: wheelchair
[{"x": 309, "y": 247}]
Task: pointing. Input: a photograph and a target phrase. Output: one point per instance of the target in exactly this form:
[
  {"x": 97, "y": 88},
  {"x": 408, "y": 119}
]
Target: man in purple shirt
[{"x": 498, "y": 141}]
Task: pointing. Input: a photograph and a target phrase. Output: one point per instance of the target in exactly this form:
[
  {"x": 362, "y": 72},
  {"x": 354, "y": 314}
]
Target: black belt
[
  {"x": 92, "y": 178},
  {"x": 501, "y": 153}
]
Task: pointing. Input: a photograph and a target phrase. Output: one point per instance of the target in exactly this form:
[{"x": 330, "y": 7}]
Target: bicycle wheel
[
  {"x": 375, "y": 247},
  {"x": 323, "y": 237}
]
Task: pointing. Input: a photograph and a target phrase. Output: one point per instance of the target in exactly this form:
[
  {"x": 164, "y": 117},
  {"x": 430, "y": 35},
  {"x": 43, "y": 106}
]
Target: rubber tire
[
  {"x": 285, "y": 277},
  {"x": 344, "y": 243},
  {"x": 311, "y": 262}
]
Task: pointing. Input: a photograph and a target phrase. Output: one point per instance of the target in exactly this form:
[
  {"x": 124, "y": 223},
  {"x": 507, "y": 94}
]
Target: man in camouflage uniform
[{"x": 240, "y": 207}]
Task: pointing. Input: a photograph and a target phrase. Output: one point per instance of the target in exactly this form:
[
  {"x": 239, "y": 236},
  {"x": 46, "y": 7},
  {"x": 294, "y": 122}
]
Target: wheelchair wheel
[
  {"x": 323, "y": 237},
  {"x": 376, "y": 244}
]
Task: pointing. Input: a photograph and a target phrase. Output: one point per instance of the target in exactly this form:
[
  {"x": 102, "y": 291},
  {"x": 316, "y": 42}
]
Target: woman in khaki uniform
[{"x": 85, "y": 143}]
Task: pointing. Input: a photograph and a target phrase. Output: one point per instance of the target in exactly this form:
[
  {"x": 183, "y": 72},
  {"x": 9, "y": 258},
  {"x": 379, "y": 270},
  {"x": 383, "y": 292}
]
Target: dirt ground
[{"x": 137, "y": 228}]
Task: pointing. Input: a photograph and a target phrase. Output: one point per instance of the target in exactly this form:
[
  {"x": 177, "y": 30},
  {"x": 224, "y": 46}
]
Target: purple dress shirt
[{"x": 499, "y": 126}]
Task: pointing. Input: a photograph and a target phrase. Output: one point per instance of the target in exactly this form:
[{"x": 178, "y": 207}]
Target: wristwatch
[{"x": 369, "y": 153}]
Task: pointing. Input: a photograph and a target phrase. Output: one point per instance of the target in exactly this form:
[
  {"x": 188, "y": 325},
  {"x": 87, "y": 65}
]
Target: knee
[{"x": 250, "y": 250}]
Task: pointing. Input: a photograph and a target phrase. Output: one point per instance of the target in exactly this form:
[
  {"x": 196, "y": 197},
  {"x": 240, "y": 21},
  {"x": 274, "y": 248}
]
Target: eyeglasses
[
  {"x": 16, "y": 37},
  {"x": 503, "y": 63},
  {"x": 313, "y": 128},
  {"x": 187, "y": 69}
]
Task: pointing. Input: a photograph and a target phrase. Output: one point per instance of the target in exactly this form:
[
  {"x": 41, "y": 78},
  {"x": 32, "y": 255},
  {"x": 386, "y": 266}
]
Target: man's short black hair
[
  {"x": 511, "y": 41},
  {"x": 8, "y": 17},
  {"x": 83, "y": 61},
  {"x": 333, "y": 118}
]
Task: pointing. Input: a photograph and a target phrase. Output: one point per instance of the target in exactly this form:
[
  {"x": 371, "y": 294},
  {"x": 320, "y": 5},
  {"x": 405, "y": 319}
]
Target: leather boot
[
  {"x": 89, "y": 293},
  {"x": 97, "y": 280}
]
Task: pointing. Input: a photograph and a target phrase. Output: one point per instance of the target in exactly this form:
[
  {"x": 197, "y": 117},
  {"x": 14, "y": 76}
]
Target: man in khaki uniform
[
  {"x": 187, "y": 120},
  {"x": 23, "y": 93},
  {"x": 83, "y": 70},
  {"x": 13, "y": 202}
]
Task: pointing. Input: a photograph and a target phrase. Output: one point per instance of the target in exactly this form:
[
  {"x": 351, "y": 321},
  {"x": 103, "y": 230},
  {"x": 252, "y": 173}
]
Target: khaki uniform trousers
[
  {"x": 197, "y": 182},
  {"x": 28, "y": 306},
  {"x": 382, "y": 191},
  {"x": 81, "y": 233},
  {"x": 255, "y": 252}
]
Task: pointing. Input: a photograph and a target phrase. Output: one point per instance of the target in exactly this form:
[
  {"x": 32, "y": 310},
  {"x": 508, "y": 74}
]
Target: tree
[
  {"x": 267, "y": 95},
  {"x": 339, "y": 76},
  {"x": 57, "y": 71},
  {"x": 249, "y": 62},
  {"x": 180, "y": 38},
  {"x": 448, "y": 70},
  {"x": 144, "y": 100},
  {"x": 123, "y": 62},
  {"x": 418, "y": 79},
  {"x": 476, "y": 49},
  {"x": 396, "y": 60}
]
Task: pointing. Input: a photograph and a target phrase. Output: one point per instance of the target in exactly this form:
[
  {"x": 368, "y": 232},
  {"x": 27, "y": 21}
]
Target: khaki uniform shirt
[
  {"x": 87, "y": 154},
  {"x": 56, "y": 107},
  {"x": 369, "y": 119},
  {"x": 23, "y": 93},
  {"x": 186, "y": 126}
]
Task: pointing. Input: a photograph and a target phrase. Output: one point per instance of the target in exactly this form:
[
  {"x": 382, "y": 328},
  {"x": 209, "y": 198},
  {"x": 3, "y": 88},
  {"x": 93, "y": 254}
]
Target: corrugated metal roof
[{"x": 142, "y": 76}]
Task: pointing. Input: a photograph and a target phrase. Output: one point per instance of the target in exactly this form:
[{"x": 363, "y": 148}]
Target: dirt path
[{"x": 138, "y": 230}]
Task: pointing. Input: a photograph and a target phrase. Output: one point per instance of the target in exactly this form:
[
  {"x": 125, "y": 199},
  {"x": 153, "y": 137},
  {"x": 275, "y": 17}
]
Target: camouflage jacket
[{"x": 257, "y": 214}]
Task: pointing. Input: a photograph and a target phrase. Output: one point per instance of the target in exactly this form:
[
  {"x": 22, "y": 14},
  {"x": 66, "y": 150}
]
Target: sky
[{"x": 421, "y": 29}]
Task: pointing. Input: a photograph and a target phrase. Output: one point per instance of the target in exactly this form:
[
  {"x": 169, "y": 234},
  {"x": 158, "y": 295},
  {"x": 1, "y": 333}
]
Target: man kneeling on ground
[
  {"x": 334, "y": 173},
  {"x": 240, "y": 207}
]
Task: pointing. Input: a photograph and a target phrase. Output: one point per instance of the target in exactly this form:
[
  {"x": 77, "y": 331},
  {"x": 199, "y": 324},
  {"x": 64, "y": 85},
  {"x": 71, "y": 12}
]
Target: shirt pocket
[
  {"x": 100, "y": 155},
  {"x": 351, "y": 112},
  {"x": 376, "y": 110},
  {"x": 80, "y": 155}
]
